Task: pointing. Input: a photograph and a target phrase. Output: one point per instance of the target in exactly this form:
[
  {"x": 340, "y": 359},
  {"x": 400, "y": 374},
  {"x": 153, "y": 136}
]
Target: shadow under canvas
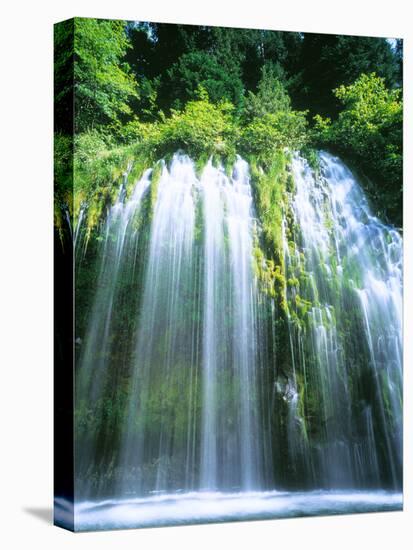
[{"x": 44, "y": 514}]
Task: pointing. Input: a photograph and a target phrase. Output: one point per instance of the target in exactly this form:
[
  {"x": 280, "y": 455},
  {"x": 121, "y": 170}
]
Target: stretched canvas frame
[{"x": 228, "y": 283}]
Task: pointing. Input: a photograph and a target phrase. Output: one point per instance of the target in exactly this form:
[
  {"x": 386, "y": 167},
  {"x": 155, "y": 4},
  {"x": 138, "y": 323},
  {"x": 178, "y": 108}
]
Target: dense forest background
[{"x": 154, "y": 88}]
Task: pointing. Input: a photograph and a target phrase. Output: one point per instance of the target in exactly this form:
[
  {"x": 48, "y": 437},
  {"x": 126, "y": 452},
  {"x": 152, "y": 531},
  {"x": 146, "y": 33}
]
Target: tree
[
  {"x": 270, "y": 98},
  {"x": 202, "y": 69},
  {"x": 398, "y": 52},
  {"x": 369, "y": 130},
  {"x": 63, "y": 77},
  {"x": 104, "y": 84},
  {"x": 328, "y": 61},
  {"x": 270, "y": 123}
]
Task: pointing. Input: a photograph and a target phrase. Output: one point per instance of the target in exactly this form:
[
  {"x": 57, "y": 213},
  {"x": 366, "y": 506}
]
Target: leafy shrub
[
  {"x": 369, "y": 131},
  {"x": 263, "y": 136},
  {"x": 90, "y": 145},
  {"x": 135, "y": 131},
  {"x": 201, "y": 128}
]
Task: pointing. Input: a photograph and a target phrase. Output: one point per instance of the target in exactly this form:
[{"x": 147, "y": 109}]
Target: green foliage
[
  {"x": 103, "y": 82},
  {"x": 89, "y": 146},
  {"x": 201, "y": 69},
  {"x": 329, "y": 61},
  {"x": 321, "y": 128},
  {"x": 63, "y": 76},
  {"x": 265, "y": 135},
  {"x": 271, "y": 97},
  {"x": 99, "y": 163},
  {"x": 63, "y": 179},
  {"x": 63, "y": 167},
  {"x": 134, "y": 131},
  {"x": 201, "y": 128},
  {"x": 370, "y": 111},
  {"x": 269, "y": 188},
  {"x": 311, "y": 155},
  {"x": 369, "y": 130},
  {"x": 271, "y": 124}
]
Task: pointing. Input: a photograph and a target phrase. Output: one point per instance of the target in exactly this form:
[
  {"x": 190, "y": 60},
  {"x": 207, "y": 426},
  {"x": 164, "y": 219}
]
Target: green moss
[
  {"x": 302, "y": 305},
  {"x": 200, "y": 164},
  {"x": 264, "y": 271},
  {"x": 98, "y": 173},
  {"x": 139, "y": 164},
  {"x": 199, "y": 229},
  {"x": 293, "y": 281},
  {"x": 229, "y": 162},
  {"x": 156, "y": 176},
  {"x": 290, "y": 183},
  {"x": 312, "y": 156},
  {"x": 269, "y": 185}
]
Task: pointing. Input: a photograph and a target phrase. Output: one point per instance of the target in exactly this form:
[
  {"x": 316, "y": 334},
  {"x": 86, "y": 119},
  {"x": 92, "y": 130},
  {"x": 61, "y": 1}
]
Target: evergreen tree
[{"x": 328, "y": 61}]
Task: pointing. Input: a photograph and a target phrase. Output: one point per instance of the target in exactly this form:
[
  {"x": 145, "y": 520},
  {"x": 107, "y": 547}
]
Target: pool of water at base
[{"x": 211, "y": 507}]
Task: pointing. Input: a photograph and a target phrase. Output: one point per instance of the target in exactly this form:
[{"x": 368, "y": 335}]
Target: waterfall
[
  {"x": 195, "y": 342},
  {"x": 230, "y": 430},
  {"x": 345, "y": 269},
  {"x": 164, "y": 362},
  {"x": 180, "y": 384},
  {"x": 117, "y": 257}
]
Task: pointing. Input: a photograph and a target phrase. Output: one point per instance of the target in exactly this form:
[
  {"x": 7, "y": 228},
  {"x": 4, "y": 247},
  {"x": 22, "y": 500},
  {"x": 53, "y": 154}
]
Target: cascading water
[
  {"x": 194, "y": 354},
  {"x": 178, "y": 356},
  {"x": 116, "y": 273},
  {"x": 345, "y": 269},
  {"x": 230, "y": 429},
  {"x": 164, "y": 363}
]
